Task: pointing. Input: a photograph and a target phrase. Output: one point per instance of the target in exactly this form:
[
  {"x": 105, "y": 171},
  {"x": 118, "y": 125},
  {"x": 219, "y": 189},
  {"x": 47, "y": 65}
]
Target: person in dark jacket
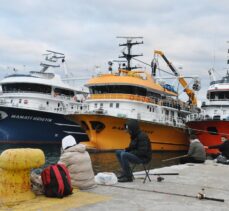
[
  {"x": 224, "y": 149},
  {"x": 138, "y": 151}
]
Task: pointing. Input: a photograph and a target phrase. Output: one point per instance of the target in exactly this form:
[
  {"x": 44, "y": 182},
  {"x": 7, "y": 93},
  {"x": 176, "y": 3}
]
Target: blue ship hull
[{"x": 22, "y": 126}]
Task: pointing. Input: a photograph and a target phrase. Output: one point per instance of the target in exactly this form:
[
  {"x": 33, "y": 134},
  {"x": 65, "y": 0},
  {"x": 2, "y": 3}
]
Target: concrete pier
[
  {"x": 176, "y": 193},
  {"x": 173, "y": 193}
]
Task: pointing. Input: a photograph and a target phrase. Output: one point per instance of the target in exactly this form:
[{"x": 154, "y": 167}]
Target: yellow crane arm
[{"x": 189, "y": 92}]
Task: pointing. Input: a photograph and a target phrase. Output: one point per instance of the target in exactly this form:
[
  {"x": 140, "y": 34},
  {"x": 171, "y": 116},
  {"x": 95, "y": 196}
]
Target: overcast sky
[{"x": 193, "y": 34}]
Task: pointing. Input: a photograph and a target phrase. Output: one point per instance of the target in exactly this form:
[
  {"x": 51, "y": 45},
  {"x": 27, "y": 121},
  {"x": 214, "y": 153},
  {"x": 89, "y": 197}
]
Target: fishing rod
[
  {"x": 175, "y": 158},
  {"x": 159, "y": 178},
  {"x": 158, "y": 174},
  {"x": 200, "y": 196}
]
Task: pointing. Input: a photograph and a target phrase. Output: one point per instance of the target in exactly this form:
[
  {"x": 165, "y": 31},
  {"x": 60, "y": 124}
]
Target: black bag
[{"x": 56, "y": 180}]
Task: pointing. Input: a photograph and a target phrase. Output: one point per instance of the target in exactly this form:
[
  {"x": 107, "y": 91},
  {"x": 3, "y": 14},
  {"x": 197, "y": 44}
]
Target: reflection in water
[
  {"x": 107, "y": 162},
  {"x": 101, "y": 161}
]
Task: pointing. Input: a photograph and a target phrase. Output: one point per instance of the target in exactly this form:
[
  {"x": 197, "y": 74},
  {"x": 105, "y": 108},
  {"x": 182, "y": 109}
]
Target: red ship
[{"x": 213, "y": 121}]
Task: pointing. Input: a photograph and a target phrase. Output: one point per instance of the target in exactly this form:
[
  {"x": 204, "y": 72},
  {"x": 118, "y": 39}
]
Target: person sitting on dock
[
  {"x": 138, "y": 151},
  {"x": 75, "y": 157},
  {"x": 196, "y": 152},
  {"x": 224, "y": 149}
]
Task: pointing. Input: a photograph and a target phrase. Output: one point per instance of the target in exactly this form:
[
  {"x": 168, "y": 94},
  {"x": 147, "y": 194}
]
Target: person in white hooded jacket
[{"x": 77, "y": 160}]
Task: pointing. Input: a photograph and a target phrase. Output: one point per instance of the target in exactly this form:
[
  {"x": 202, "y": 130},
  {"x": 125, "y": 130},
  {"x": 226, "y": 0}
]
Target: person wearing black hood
[{"x": 138, "y": 151}]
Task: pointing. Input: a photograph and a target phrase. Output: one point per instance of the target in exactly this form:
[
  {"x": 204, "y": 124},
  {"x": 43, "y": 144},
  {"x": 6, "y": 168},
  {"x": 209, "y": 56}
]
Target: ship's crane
[{"x": 182, "y": 81}]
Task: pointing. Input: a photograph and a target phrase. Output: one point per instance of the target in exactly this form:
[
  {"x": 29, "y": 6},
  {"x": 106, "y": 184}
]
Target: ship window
[
  {"x": 221, "y": 95},
  {"x": 101, "y": 104},
  {"x": 212, "y": 130},
  {"x": 117, "y": 105},
  {"x": 47, "y": 102},
  {"x": 95, "y": 105},
  {"x": 26, "y": 87},
  {"x": 212, "y": 95},
  {"x": 64, "y": 92},
  {"x": 58, "y": 104},
  {"x": 122, "y": 89},
  {"x": 19, "y": 100},
  {"x": 111, "y": 105}
]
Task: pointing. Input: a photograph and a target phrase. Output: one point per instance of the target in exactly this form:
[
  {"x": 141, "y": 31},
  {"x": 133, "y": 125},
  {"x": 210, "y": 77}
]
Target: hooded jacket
[
  {"x": 78, "y": 162},
  {"x": 139, "y": 143}
]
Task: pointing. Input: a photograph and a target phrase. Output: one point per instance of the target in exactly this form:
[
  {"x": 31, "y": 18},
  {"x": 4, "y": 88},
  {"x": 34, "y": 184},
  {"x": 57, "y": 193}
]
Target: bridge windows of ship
[
  {"x": 122, "y": 89},
  {"x": 117, "y": 105},
  {"x": 63, "y": 92},
  {"x": 219, "y": 95},
  {"x": 26, "y": 87},
  {"x": 111, "y": 105}
]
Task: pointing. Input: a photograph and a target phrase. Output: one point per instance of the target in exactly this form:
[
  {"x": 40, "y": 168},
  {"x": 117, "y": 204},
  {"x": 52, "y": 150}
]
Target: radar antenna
[
  {"x": 52, "y": 57},
  {"x": 129, "y": 44}
]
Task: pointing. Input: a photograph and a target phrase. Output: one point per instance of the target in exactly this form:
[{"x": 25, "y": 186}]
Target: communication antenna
[
  {"x": 129, "y": 44},
  {"x": 52, "y": 57}
]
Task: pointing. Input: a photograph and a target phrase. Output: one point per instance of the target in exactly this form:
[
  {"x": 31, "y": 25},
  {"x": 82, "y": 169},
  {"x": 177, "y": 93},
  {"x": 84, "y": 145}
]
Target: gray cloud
[{"x": 192, "y": 34}]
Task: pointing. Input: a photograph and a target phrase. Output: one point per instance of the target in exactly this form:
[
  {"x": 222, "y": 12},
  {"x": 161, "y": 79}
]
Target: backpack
[{"x": 56, "y": 180}]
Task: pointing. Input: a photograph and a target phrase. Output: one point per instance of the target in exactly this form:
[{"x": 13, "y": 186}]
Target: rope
[{"x": 207, "y": 131}]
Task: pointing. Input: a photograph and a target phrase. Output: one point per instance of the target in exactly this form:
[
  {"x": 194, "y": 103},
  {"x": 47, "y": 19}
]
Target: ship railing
[
  {"x": 168, "y": 103},
  {"x": 42, "y": 106},
  {"x": 38, "y": 94},
  {"x": 123, "y": 96},
  {"x": 145, "y": 116},
  {"x": 176, "y": 122}
]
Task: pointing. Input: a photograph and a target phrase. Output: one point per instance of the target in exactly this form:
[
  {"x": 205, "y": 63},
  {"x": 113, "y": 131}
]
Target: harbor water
[{"x": 101, "y": 161}]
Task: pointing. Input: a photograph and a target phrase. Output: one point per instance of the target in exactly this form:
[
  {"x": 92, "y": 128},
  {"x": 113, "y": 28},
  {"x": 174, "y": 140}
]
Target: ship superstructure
[
  {"x": 33, "y": 106},
  {"x": 131, "y": 93},
  {"x": 213, "y": 120}
]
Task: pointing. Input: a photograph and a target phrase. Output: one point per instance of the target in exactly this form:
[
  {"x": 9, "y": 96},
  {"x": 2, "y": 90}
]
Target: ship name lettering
[{"x": 14, "y": 116}]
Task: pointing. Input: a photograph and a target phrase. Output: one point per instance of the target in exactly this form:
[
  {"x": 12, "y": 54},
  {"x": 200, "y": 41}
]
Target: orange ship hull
[
  {"x": 209, "y": 132},
  {"x": 114, "y": 136}
]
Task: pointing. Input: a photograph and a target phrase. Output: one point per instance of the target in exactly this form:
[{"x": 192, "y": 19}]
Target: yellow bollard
[{"x": 15, "y": 167}]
